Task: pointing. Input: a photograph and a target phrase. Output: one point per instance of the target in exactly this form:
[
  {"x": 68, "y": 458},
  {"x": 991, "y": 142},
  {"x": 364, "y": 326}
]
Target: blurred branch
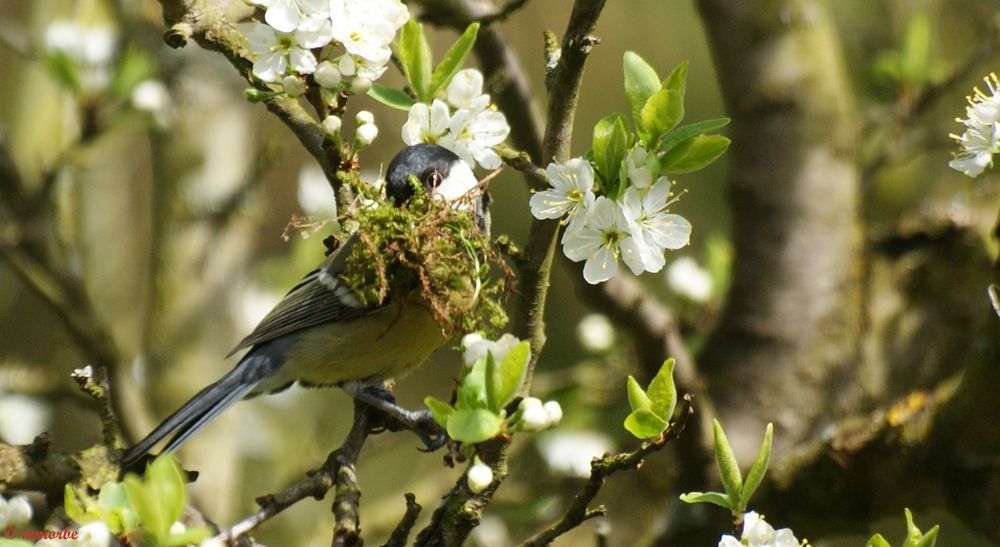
[
  {"x": 601, "y": 469},
  {"x": 215, "y": 30},
  {"x": 31, "y": 467},
  {"x": 317, "y": 484},
  {"x": 502, "y": 13},
  {"x": 402, "y": 532}
]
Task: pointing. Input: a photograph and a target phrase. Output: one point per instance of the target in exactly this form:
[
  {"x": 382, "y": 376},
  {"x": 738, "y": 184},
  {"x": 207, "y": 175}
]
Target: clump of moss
[{"x": 429, "y": 246}]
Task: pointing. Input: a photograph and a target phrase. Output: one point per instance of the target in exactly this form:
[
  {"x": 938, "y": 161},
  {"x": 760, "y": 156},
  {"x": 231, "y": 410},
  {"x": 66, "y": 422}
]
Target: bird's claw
[{"x": 395, "y": 418}]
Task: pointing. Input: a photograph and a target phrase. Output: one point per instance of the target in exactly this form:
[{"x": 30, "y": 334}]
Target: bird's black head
[{"x": 440, "y": 171}]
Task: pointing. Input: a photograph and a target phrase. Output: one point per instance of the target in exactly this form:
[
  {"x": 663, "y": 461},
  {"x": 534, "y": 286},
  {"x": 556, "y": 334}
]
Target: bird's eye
[{"x": 433, "y": 179}]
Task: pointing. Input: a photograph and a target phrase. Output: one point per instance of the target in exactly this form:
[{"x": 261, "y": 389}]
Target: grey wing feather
[{"x": 319, "y": 298}]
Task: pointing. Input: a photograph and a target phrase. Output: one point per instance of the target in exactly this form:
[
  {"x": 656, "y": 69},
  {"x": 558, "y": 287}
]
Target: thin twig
[
  {"x": 601, "y": 469},
  {"x": 502, "y": 13},
  {"x": 402, "y": 532}
]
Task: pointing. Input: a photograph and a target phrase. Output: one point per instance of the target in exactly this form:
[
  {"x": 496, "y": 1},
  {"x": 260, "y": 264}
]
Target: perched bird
[{"x": 321, "y": 334}]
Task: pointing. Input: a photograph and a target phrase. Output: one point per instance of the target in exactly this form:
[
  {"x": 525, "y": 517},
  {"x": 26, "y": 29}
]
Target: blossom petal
[{"x": 600, "y": 267}]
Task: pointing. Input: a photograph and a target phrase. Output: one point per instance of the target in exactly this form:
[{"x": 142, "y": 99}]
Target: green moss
[{"x": 428, "y": 246}]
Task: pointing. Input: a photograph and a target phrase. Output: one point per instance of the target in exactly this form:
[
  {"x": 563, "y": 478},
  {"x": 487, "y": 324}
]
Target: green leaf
[
  {"x": 877, "y": 541},
  {"x": 677, "y": 80},
  {"x": 916, "y": 50},
  {"x": 687, "y": 131},
  {"x": 637, "y": 397},
  {"x": 729, "y": 470},
  {"x": 756, "y": 473},
  {"x": 472, "y": 390},
  {"x": 644, "y": 424},
  {"x": 453, "y": 59},
  {"x": 661, "y": 113},
  {"x": 390, "y": 96},
  {"x": 662, "y": 392},
  {"x": 715, "y": 498},
  {"x": 134, "y": 66},
  {"x": 63, "y": 70},
  {"x": 146, "y": 508},
  {"x": 73, "y": 506},
  {"x": 415, "y": 56},
  {"x": 473, "y": 425},
  {"x": 609, "y": 147},
  {"x": 165, "y": 483},
  {"x": 510, "y": 374},
  {"x": 929, "y": 539},
  {"x": 916, "y": 538},
  {"x": 703, "y": 150},
  {"x": 440, "y": 410},
  {"x": 641, "y": 82}
]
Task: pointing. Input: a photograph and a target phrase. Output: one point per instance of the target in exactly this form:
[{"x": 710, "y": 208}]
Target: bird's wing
[{"x": 321, "y": 297}]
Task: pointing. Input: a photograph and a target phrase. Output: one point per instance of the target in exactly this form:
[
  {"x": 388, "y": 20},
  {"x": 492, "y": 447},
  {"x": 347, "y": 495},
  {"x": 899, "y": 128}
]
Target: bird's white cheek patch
[{"x": 459, "y": 182}]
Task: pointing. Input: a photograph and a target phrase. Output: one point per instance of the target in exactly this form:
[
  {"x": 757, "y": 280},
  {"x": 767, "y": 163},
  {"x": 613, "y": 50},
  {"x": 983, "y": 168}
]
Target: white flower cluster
[
  {"x": 14, "y": 512},
  {"x": 283, "y": 44},
  {"x": 465, "y": 122},
  {"x": 90, "y": 49},
  {"x": 757, "y": 533},
  {"x": 635, "y": 228},
  {"x": 981, "y": 138},
  {"x": 476, "y": 347}
]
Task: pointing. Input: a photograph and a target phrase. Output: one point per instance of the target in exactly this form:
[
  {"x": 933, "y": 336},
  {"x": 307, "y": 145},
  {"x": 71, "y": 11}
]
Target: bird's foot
[{"x": 396, "y": 418}]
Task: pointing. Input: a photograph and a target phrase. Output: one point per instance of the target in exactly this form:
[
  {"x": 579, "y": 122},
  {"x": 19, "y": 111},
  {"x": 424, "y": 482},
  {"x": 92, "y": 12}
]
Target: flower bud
[
  {"x": 360, "y": 86},
  {"x": 479, "y": 477},
  {"x": 18, "y": 511},
  {"x": 366, "y": 133},
  {"x": 364, "y": 117},
  {"x": 327, "y": 75},
  {"x": 553, "y": 413},
  {"x": 533, "y": 414},
  {"x": 95, "y": 534},
  {"x": 331, "y": 125},
  {"x": 293, "y": 86}
]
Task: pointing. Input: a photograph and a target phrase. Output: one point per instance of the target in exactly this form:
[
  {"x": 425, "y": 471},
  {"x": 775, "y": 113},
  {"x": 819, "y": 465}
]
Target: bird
[{"x": 322, "y": 334}]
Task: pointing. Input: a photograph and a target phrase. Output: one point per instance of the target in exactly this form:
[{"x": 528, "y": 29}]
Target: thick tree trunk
[{"x": 787, "y": 340}]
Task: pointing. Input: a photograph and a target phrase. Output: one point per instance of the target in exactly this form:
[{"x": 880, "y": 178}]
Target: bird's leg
[{"x": 420, "y": 422}]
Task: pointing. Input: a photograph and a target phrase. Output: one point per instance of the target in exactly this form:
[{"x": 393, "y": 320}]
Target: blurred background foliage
[{"x": 175, "y": 225}]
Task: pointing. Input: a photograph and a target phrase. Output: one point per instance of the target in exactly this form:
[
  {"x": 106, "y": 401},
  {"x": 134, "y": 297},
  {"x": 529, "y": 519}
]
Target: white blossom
[
  {"x": 533, "y": 415},
  {"x": 466, "y": 90},
  {"x": 571, "y": 193},
  {"x": 293, "y": 86},
  {"x": 90, "y": 49},
  {"x": 553, "y": 413},
  {"x": 476, "y": 347},
  {"x": 652, "y": 226},
  {"x": 288, "y": 15},
  {"x": 473, "y": 134},
  {"x": 363, "y": 117},
  {"x": 277, "y": 52},
  {"x": 758, "y": 533},
  {"x": 426, "y": 123},
  {"x": 595, "y": 333},
  {"x": 981, "y": 138},
  {"x": 601, "y": 239},
  {"x": 686, "y": 278},
  {"x": 14, "y": 512},
  {"x": 94, "y": 534},
  {"x": 362, "y": 28},
  {"x": 639, "y": 172},
  {"x": 570, "y": 452},
  {"x": 479, "y": 477}
]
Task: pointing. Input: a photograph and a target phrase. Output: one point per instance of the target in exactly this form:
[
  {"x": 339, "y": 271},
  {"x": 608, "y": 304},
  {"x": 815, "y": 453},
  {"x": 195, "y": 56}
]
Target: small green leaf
[
  {"x": 662, "y": 392},
  {"x": 453, "y": 59},
  {"x": 756, "y": 473},
  {"x": 472, "y": 390},
  {"x": 390, "y": 96},
  {"x": 165, "y": 483},
  {"x": 146, "y": 508},
  {"x": 703, "y": 150},
  {"x": 510, "y": 374},
  {"x": 661, "y": 113},
  {"x": 915, "y": 51},
  {"x": 73, "y": 506},
  {"x": 687, "y": 131},
  {"x": 877, "y": 541},
  {"x": 473, "y": 426},
  {"x": 63, "y": 70},
  {"x": 641, "y": 82},
  {"x": 644, "y": 424},
  {"x": 440, "y": 410},
  {"x": 729, "y": 469},
  {"x": 677, "y": 80},
  {"x": 415, "y": 56},
  {"x": 929, "y": 539},
  {"x": 916, "y": 538},
  {"x": 609, "y": 146},
  {"x": 715, "y": 498},
  {"x": 637, "y": 397}
]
